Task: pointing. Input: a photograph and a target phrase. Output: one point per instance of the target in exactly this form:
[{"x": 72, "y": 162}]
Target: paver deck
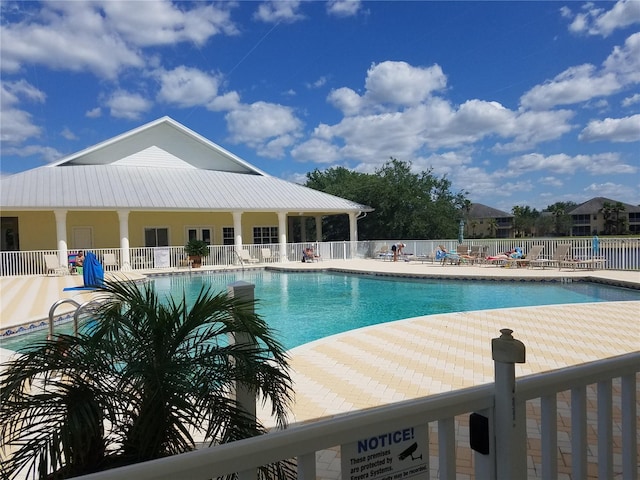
[{"x": 424, "y": 355}]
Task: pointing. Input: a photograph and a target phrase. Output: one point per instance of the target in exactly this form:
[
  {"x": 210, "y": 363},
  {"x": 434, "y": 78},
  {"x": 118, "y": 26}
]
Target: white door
[{"x": 82, "y": 238}]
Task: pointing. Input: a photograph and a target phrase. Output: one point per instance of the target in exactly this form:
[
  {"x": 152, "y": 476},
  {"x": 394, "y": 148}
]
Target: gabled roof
[
  {"x": 161, "y": 143},
  {"x": 595, "y": 205},
  {"x": 161, "y": 166},
  {"x": 479, "y": 210}
]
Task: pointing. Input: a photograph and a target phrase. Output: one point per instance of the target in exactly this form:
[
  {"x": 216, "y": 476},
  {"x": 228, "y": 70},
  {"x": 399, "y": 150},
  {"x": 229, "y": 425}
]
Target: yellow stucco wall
[{"x": 37, "y": 230}]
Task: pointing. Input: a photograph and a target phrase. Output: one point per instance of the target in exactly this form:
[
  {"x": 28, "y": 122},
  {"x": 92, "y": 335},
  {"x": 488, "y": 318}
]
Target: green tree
[
  {"x": 619, "y": 222},
  {"x": 562, "y": 221},
  {"x": 406, "y": 205},
  {"x": 493, "y": 227},
  {"x": 524, "y": 220},
  {"x": 142, "y": 383}
]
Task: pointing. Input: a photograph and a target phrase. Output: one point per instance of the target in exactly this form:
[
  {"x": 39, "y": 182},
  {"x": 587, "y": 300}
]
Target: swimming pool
[{"x": 302, "y": 307}]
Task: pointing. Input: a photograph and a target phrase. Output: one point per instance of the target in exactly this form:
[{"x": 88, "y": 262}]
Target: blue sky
[{"x": 517, "y": 103}]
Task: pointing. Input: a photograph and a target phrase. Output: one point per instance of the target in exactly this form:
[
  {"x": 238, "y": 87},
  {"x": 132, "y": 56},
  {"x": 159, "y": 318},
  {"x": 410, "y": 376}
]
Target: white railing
[
  {"x": 505, "y": 404},
  {"x": 620, "y": 253}
]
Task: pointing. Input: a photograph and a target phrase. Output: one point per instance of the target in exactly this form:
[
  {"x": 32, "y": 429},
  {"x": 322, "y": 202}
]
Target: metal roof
[{"x": 144, "y": 171}]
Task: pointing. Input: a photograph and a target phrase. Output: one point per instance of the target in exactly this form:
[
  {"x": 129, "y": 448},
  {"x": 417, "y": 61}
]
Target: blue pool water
[{"x": 302, "y": 307}]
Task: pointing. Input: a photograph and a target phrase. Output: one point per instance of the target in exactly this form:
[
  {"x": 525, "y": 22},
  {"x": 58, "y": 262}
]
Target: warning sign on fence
[{"x": 395, "y": 455}]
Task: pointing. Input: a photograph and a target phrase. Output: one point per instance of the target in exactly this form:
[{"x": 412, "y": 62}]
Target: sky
[{"x": 516, "y": 103}]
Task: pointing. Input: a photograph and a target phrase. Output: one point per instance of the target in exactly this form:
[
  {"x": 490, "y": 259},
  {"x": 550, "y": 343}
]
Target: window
[
  {"x": 156, "y": 237},
  {"x": 262, "y": 235},
  {"x": 199, "y": 233},
  {"x": 228, "y": 236}
]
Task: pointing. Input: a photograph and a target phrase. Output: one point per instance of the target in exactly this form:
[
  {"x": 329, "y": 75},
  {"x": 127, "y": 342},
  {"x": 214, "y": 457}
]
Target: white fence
[
  {"x": 620, "y": 253},
  {"x": 506, "y": 405}
]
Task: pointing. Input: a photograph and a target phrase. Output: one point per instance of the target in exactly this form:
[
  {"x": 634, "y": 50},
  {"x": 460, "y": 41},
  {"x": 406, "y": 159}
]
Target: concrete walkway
[{"x": 424, "y": 355}]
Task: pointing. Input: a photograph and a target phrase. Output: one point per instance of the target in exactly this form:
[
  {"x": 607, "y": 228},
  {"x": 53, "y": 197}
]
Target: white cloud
[
  {"x": 47, "y": 154},
  {"x": 17, "y": 125},
  {"x": 624, "y": 62},
  {"x": 632, "y": 100},
  {"x": 574, "y": 85},
  {"x": 389, "y": 85},
  {"x": 187, "y": 87},
  {"x": 163, "y": 23},
  {"x": 104, "y": 37},
  {"x": 276, "y": 11},
  {"x": 94, "y": 113},
  {"x": 68, "y": 134},
  {"x": 317, "y": 151},
  {"x": 625, "y": 129},
  {"x": 343, "y": 8},
  {"x": 618, "y": 191},
  {"x": 260, "y": 123},
  {"x": 402, "y": 84},
  {"x": 123, "y": 104},
  {"x": 594, "y": 20},
  {"x": 568, "y": 165}
]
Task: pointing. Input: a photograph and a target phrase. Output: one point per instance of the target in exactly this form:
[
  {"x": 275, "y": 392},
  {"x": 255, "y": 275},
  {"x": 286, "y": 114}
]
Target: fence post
[
  {"x": 245, "y": 397},
  {"x": 509, "y": 417}
]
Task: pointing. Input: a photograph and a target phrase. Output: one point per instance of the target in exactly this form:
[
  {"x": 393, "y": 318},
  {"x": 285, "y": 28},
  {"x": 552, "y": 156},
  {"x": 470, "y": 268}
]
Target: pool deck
[{"x": 419, "y": 356}]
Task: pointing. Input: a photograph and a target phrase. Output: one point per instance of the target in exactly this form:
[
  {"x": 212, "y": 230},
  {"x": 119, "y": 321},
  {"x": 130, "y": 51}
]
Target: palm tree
[
  {"x": 607, "y": 212},
  {"x": 144, "y": 382},
  {"x": 493, "y": 227},
  {"x": 619, "y": 223}
]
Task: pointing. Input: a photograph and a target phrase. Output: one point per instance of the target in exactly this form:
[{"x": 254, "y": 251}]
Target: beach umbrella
[
  {"x": 92, "y": 271},
  {"x": 595, "y": 245},
  {"x": 461, "y": 232}
]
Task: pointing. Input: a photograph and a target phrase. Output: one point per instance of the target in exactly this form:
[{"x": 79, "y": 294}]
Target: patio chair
[
  {"x": 266, "y": 255},
  {"x": 53, "y": 267},
  {"x": 447, "y": 257},
  {"x": 110, "y": 261},
  {"x": 533, "y": 255},
  {"x": 559, "y": 256},
  {"x": 246, "y": 257},
  {"x": 583, "y": 263}
]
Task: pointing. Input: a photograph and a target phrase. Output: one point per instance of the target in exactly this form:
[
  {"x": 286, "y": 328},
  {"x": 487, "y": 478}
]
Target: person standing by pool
[{"x": 397, "y": 249}]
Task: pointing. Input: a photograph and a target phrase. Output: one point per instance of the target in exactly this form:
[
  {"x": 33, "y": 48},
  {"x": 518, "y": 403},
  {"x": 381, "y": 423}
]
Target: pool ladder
[{"x": 80, "y": 309}]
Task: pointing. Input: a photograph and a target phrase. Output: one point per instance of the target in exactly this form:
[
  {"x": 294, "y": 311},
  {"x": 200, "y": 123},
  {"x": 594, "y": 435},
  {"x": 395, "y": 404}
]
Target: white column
[
  {"x": 237, "y": 229},
  {"x": 318, "y": 228},
  {"x": 353, "y": 233},
  {"x": 282, "y": 231},
  {"x": 61, "y": 236},
  {"x": 125, "y": 255}
]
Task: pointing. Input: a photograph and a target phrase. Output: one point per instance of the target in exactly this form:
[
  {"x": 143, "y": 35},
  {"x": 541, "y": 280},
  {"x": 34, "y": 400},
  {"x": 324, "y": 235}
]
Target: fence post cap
[{"x": 507, "y": 349}]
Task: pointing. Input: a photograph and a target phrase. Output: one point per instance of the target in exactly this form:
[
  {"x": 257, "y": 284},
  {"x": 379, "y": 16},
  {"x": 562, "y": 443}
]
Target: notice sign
[{"x": 402, "y": 453}]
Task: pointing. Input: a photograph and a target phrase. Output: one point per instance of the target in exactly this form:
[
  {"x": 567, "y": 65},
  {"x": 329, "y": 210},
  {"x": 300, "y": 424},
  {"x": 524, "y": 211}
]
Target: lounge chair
[
  {"x": 246, "y": 257},
  {"x": 266, "y": 255},
  {"x": 586, "y": 263},
  {"x": 447, "y": 257},
  {"x": 53, "y": 266},
  {"x": 309, "y": 256},
  {"x": 110, "y": 261},
  {"x": 505, "y": 259},
  {"x": 559, "y": 256},
  {"x": 533, "y": 255}
]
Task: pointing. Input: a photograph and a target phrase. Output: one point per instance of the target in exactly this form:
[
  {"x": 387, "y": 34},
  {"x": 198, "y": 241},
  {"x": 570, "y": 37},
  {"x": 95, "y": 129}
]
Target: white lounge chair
[
  {"x": 110, "y": 261},
  {"x": 266, "y": 255},
  {"x": 560, "y": 255},
  {"x": 53, "y": 266},
  {"x": 246, "y": 257}
]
